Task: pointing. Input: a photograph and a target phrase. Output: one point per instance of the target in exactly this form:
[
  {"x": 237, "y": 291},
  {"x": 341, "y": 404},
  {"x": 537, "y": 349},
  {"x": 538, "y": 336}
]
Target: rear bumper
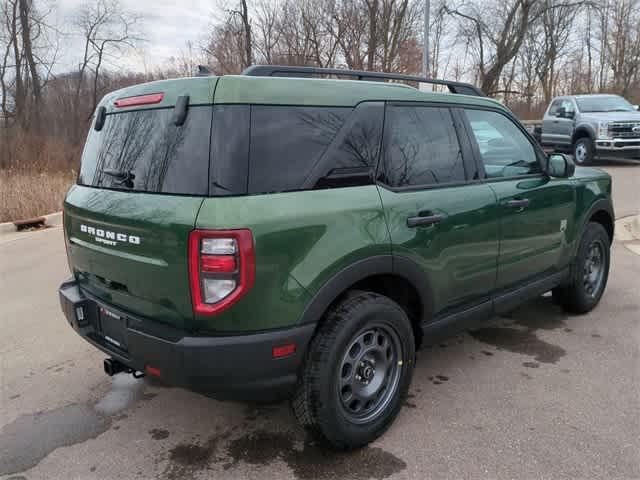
[{"x": 229, "y": 367}]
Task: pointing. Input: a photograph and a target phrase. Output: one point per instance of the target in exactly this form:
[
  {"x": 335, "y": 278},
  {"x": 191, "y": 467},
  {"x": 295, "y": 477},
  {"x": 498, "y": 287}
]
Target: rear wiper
[
  {"x": 126, "y": 177},
  {"x": 118, "y": 173}
]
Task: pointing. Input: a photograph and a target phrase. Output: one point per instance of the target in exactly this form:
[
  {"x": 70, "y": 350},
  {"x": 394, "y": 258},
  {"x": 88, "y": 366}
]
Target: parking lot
[{"x": 536, "y": 394}]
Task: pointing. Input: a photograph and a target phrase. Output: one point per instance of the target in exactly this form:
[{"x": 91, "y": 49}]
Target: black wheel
[
  {"x": 583, "y": 151},
  {"x": 357, "y": 371},
  {"x": 589, "y": 272}
]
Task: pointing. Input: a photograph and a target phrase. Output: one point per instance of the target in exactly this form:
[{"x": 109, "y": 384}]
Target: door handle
[
  {"x": 518, "y": 203},
  {"x": 426, "y": 220}
]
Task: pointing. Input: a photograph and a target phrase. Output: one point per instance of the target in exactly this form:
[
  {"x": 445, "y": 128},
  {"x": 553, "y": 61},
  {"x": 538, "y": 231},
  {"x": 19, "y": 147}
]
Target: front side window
[
  {"x": 504, "y": 149},
  {"x": 421, "y": 147},
  {"x": 555, "y": 106}
]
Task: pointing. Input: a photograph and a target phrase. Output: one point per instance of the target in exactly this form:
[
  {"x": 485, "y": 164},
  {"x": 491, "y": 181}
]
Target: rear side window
[
  {"x": 287, "y": 143},
  {"x": 421, "y": 147},
  {"x": 144, "y": 151}
]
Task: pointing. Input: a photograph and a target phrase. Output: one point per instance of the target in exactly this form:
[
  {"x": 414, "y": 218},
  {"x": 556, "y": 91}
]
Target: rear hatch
[{"x": 143, "y": 177}]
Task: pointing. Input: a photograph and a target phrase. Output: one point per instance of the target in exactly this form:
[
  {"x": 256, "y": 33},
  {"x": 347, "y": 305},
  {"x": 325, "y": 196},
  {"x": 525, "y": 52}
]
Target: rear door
[
  {"x": 140, "y": 186},
  {"x": 535, "y": 211},
  {"x": 439, "y": 215}
]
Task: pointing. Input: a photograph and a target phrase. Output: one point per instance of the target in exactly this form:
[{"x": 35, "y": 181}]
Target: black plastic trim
[
  {"x": 233, "y": 367},
  {"x": 293, "y": 71},
  {"x": 455, "y": 322},
  {"x": 467, "y": 317},
  {"x": 340, "y": 282},
  {"x": 101, "y": 116},
  {"x": 510, "y": 299},
  {"x": 180, "y": 110},
  {"x": 378, "y": 265},
  {"x": 602, "y": 204}
]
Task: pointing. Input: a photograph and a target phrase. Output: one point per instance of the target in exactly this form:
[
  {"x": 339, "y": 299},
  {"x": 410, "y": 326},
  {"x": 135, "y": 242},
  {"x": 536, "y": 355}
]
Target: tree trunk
[{"x": 25, "y": 22}]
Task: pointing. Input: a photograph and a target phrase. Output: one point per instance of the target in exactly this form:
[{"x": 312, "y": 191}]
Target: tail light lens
[{"x": 221, "y": 268}]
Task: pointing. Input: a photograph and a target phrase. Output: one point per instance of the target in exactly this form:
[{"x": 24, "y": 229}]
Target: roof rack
[{"x": 289, "y": 71}]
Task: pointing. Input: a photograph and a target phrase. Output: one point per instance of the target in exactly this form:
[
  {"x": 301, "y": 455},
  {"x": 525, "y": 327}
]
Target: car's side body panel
[
  {"x": 302, "y": 240},
  {"x": 459, "y": 254},
  {"x": 537, "y": 238}
]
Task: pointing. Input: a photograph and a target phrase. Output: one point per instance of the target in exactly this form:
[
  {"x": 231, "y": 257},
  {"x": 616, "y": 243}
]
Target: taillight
[
  {"x": 221, "y": 268},
  {"x": 148, "y": 99}
]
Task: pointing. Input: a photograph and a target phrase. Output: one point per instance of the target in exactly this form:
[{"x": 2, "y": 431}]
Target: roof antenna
[{"x": 203, "y": 71}]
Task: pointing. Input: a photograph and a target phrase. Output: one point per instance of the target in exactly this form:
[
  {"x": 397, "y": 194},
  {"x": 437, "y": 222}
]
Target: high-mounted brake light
[
  {"x": 221, "y": 268},
  {"x": 148, "y": 99}
]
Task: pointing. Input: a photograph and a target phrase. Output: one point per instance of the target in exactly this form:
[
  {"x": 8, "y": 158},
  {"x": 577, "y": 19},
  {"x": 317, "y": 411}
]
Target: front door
[
  {"x": 558, "y": 124},
  {"x": 439, "y": 215},
  {"x": 536, "y": 211}
]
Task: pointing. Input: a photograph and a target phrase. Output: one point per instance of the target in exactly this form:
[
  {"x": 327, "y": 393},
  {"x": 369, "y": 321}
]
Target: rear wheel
[
  {"x": 357, "y": 371},
  {"x": 583, "y": 151},
  {"x": 589, "y": 272}
]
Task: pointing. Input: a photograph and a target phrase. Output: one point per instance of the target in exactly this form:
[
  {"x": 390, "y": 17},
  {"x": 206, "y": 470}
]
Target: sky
[{"x": 168, "y": 25}]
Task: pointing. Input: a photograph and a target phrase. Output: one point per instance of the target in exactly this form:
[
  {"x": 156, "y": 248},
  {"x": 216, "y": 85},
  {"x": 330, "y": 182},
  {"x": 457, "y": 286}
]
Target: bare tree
[
  {"x": 623, "y": 47},
  {"x": 108, "y": 31},
  {"x": 496, "y": 31},
  {"x": 557, "y": 20}
]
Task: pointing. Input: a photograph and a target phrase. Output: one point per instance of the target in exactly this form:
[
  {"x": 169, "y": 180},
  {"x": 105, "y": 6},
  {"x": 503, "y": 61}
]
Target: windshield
[{"x": 609, "y": 103}]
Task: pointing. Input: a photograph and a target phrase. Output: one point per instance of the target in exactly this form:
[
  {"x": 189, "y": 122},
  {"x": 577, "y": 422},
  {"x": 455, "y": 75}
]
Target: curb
[{"x": 51, "y": 220}]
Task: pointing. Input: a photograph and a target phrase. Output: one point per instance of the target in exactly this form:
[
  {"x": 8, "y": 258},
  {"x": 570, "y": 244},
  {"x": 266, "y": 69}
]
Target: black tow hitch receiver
[{"x": 113, "y": 367}]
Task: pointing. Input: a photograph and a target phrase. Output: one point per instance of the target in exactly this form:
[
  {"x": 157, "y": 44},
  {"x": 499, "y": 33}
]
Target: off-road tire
[
  {"x": 574, "y": 296},
  {"x": 316, "y": 402},
  {"x": 587, "y": 144}
]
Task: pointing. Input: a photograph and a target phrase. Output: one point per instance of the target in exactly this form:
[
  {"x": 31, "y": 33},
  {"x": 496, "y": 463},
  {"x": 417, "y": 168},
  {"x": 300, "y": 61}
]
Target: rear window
[{"x": 144, "y": 151}]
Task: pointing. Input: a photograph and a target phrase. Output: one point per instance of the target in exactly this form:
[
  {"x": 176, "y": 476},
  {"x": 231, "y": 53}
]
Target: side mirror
[
  {"x": 560, "y": 166},
  {"x": 561, "y": 112}
]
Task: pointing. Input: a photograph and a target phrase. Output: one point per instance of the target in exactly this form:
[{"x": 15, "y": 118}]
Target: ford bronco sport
[{"x": 264, "y": 234}]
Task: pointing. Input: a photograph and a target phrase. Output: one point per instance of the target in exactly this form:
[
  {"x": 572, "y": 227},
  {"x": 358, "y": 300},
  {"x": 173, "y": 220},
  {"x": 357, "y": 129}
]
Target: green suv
[{"x": 278, "y": 234}]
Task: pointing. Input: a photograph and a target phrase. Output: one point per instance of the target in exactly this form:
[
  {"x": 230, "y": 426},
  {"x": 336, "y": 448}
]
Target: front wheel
[
  {"x": 357, "y": 371},
  {"x": 589, "y": 272},
  {"x": 583, "y": 151}
]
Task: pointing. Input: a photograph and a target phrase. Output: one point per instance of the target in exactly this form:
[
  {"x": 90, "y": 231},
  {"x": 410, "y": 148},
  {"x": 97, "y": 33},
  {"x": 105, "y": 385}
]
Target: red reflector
[
  {"x": 149, "y": 370},
  {"x": 283, "y": 350},
  {"x": 139, "y": 100},
  {"x": 218, "y": 263}
]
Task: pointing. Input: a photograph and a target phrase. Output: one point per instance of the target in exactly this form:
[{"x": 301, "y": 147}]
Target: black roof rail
[{"x": 290, "y": 71}]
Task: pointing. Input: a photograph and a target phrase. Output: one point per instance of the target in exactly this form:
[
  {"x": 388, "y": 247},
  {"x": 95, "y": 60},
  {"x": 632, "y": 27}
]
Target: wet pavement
[{"x": 535, "y": 394}]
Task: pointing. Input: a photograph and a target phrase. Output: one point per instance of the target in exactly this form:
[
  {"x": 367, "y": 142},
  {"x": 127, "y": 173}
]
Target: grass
[{"x": 31, "y": 194}]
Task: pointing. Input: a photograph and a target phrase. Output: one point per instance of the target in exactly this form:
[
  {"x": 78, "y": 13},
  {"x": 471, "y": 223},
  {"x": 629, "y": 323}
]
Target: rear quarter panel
[{"x": 301, "y": 239}]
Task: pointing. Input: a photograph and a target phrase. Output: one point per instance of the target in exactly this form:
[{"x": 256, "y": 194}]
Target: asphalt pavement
[{"x": 536, "y": 394}]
